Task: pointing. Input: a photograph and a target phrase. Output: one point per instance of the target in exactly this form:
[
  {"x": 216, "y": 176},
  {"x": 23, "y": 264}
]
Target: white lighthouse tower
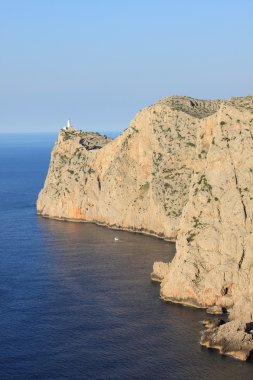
[{"x": 68, "y": 126}]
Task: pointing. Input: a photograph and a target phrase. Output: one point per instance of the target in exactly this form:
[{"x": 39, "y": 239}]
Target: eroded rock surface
[
  {"x": 214, "y": 261},
  {"x": 139, "y": 181},
  {"x": 215, "y": 310},
  {"x": 160, "y": 271},
  {"x": 183, "y": 169},
  {"x": 232, "y": 339}
]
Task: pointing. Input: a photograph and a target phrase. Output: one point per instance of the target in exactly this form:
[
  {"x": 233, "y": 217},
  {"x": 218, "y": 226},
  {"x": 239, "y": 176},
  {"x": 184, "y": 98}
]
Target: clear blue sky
[{"x": 100, "y": 61}]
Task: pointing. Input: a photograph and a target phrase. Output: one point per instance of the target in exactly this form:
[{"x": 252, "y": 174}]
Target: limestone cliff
[
  {"x": 139, "y": 181},
  {"x": 183, "y": 169},
  {"x": 214, "y": 260}
]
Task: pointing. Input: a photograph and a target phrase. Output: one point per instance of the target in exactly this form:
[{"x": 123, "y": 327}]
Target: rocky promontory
[
  {"x": 139, "y": 181},
  {"x": 183, "y": 170}
]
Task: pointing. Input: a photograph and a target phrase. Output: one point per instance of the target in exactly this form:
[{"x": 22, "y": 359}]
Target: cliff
[
  {"x": 182, "y": 170},
  {"x": 139, "y": 181},
  {"x": 214, "y": 261}
]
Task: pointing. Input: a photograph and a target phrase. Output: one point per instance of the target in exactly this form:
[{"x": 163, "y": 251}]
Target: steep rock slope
[
  {"x": 183, "y": 169},
  {"x": 139, "y": 181},
  {"x": 214, "y": 260}
]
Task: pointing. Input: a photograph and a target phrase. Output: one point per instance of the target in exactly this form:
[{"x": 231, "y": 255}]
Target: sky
[{"x": 99, "y": 62}]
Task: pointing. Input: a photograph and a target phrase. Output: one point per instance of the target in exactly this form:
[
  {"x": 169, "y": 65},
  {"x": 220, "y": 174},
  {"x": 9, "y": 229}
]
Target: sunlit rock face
[
  {"x": 214, "y": 260},
  {"x": 139, "y": 181},
  {"x": 182, "y": 170}
]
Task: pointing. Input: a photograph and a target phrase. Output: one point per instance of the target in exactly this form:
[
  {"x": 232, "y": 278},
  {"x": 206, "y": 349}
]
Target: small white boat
[{"x": 116, "y": 239}]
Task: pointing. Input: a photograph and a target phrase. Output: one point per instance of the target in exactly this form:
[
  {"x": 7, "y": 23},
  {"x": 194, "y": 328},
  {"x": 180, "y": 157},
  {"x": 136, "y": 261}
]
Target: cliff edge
[
  {"x": 182, "y": 170},
  {"x": 139, "y": 181}
]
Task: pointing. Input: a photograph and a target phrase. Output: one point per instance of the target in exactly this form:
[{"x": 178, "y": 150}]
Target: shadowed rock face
[
  {"x": 198, "y": 108},
  {"x": 183, "y": 169},
  {"x": 92, "y": 141},
  {"x": 230, "y": 339}
]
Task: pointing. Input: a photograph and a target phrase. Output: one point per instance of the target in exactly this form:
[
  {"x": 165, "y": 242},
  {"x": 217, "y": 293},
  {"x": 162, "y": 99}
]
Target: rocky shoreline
[
  {"x": 112, "y": 227},
  {"x": 231, "y": 338},
  {"x": 182, "y": 171}
]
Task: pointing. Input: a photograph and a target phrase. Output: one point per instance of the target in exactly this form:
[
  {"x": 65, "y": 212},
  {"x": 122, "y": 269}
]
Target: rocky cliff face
[
  {"x": 183, "y": 169},
  {"x": 139, "y": 181},
  {"x": 214, "y": 260}
]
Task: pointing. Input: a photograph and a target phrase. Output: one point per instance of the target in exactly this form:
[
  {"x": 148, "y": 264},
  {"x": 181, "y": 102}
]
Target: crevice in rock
[
  {"x": 242, "y": 258},
  {"x": 249, "y": 327},
  {"x": 224, "y": 291},
  {"x": 236, "y": 183},
  {"x": 236, "y": 180},
  {"x": 99, "y": 182},
  {"x": 244, "y": 209},
  {"x": 243, "y": 204},
  {"x": 219, "y": 214}
]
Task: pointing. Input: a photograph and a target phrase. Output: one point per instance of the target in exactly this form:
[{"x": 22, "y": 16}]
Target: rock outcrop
[
  {"x": 214, "y": 261},
  {"x": 139, "y": 181},
  {"x": 182, "y": 170},
  {"x": 232, "y": 338}
]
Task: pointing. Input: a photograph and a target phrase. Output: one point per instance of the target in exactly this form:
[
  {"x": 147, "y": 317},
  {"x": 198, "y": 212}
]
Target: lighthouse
[{"x": 68, "y": 124}]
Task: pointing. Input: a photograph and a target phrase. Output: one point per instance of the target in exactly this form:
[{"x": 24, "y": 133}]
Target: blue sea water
[{"x": 75, "y": 304}]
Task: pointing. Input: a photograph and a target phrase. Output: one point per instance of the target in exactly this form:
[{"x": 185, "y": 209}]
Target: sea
[{"x": 76, "y": 304}]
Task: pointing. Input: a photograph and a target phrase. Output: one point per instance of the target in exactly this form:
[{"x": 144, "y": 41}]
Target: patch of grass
[
  {"x": 180, "y": 136},
  {"x": 190, "y": 236},
  {"x": 190, "y": 144},
  {"x": 157, "y": 158},
  {"x": 135, "y": 129},
  {"x": 205, "y": 186},
  {"x": 196, "y": 222},
  {"x": 144, "y": 188},
  {"x": 91, "y": 171}
]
